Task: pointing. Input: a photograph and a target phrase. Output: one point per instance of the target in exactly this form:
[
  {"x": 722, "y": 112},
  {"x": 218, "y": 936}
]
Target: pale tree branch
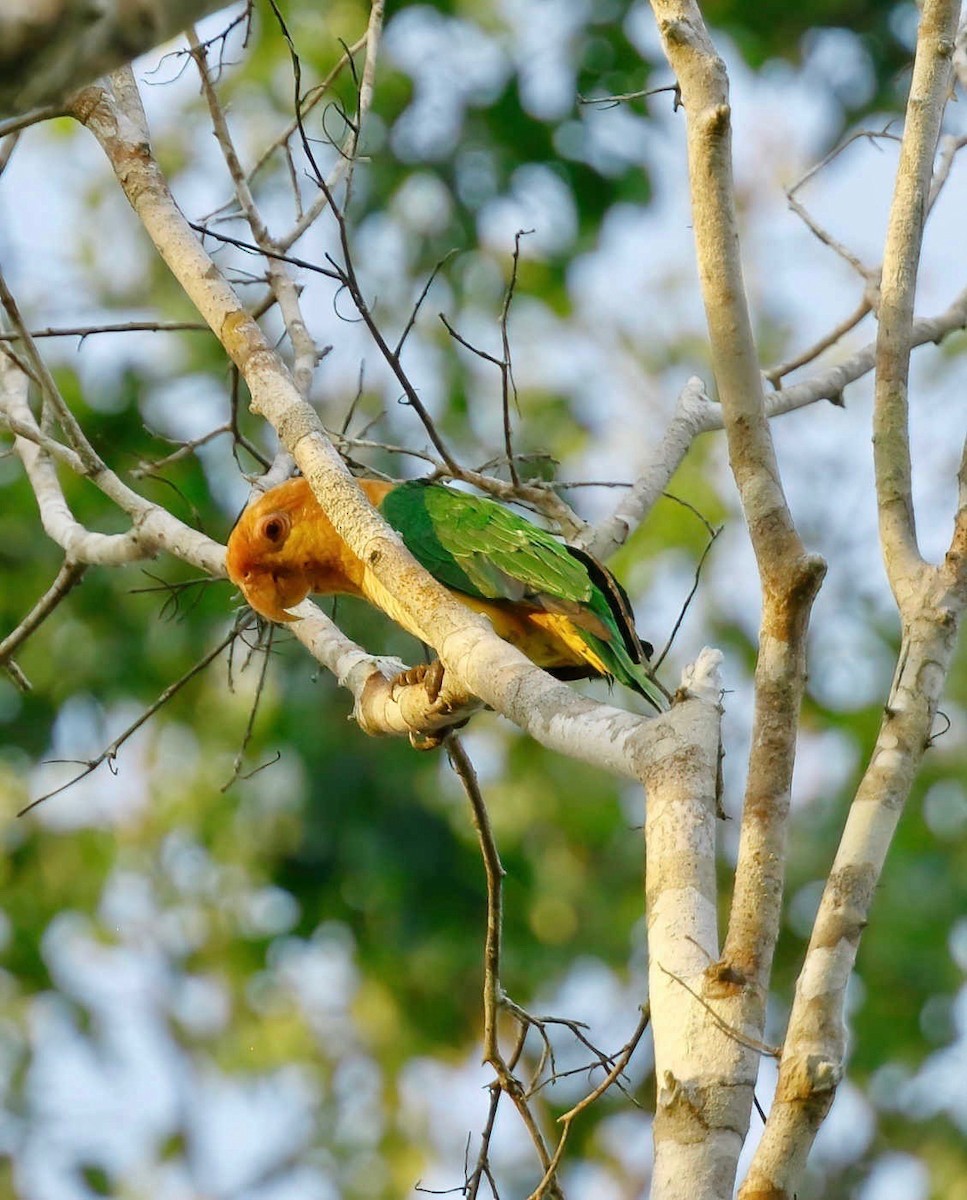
[
  {"x": 153, "y": 527},
  {"x": 80, "y": 544},
  {"x": 483, "y": 664},
  {"x": 309, "y": 101},
  {"x": 385, "y": 703},
  {"x": 929, "y": 90},
  {"x": 696, "y": 1147},
  {"x": 815, "y": 1045},
  {"x": 931, "y": 601},
  {"x": 717, "y": 1082},
  {"x": 350, "y": 146},
  {"x": 693, "y": 413},
  {"x": 49, "y": 48},
  {"x": 696, "y": 414},
  {"x": 69, "y": 575},
  {"x": 305, "y": 355}
]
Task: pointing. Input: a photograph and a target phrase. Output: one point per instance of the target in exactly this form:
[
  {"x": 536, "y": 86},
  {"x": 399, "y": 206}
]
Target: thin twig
[
  {"x": 311, "y": 98},
  {"x": 25, "y": 120},
  {"x": 688, "y": 600},
  {"x": 775, "y": 374},
  {"x": 567, "y": 1119},
  {"x": 93, "y": 463},
  {"x": 109, "y": 753},
  {"x": 869, "y": 135},
  {"x": 7, "y": 147},
  {"x": 507, "y": 382},
  {"x": 253, "y": 711},
  {"x": 69, "y": 575},
  {"x": 612, "y": 101},
  {"x": 494, "y": 872},
  {"x": 419, "y": 300},
  {"x": 86, "y": 331},
  {"x": 730, "y": 1031},
  {"x": 304, "y": 351}
]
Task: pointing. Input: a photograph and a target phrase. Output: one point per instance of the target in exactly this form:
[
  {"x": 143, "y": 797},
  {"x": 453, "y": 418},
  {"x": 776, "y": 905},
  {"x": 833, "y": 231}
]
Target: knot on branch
[
  {"x": 811, "y": 1079},
  {"x": 687, "y": 1109},
  {"x": 681, "y": 1108},
  {"x": 677, "y": 31},
  {"x": 791, "y": 594},
  {"x": 84, "y": 104},
  {"x": 298, "y": 423},
  {"x": 245, "y": 344},
  {"x": 717, "y": 119}
]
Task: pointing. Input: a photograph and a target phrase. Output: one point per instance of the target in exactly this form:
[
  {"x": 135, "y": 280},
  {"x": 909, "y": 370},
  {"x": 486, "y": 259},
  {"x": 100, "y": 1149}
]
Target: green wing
[{"x": 477, "y": 546}]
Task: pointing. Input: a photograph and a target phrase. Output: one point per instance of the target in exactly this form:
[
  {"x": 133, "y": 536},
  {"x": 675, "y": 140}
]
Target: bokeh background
[{"x": 272, "y": 992}]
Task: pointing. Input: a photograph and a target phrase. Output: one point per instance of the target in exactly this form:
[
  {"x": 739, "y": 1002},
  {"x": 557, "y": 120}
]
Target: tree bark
[{"x": 50, "y": 48}]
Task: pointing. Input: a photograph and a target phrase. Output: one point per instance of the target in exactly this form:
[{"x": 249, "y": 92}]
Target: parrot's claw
[{"x": 430, "y": 675}]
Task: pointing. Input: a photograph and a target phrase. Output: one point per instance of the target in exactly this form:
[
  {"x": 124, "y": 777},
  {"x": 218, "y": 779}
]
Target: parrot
[{"x": 555, "y": 602}]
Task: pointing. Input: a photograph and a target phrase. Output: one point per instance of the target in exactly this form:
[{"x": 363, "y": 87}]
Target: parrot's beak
[{"x": 270, "y": 595}]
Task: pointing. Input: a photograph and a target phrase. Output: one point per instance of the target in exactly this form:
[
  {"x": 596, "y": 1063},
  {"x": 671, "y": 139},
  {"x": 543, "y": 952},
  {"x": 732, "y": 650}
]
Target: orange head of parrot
[
  {"x": 283, "y": 547},
  {"x": 258, "y": 564}
]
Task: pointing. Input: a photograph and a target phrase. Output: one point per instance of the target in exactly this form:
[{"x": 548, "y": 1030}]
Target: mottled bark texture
[{"x": 50, "y": 48}]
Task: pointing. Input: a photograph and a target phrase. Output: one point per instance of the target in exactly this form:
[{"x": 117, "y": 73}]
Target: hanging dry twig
[
  {"x": 110, "y": 752},
  {"x": 68, "y": 577}
]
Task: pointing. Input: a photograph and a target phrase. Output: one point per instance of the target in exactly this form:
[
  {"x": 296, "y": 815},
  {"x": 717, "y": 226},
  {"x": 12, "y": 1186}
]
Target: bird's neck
[{"x": 331, "y": 565}]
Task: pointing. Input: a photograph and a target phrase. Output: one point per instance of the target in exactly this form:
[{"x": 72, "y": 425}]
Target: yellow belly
[{"x": 548, "y": 639}]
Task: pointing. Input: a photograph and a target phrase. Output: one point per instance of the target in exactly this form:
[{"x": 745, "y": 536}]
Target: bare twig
[
  {"x": 398, "y": 349},
  {"x": 69, "y": 575},
  {"x": 86, "y": 331},
  {"x": 492, "y": 990},
  {"x": 731, "y": 1031},
  {"x": 869, "y": 135},
  {"x": 566, "y": 1119},
  {"x": 109, "y": 753},
  {"x": 713, "y": 535},
  {"x": 775, "y": 374},
  {"x": 14, "y": 125},
  {"x": 253, "y": 711},
  {"x": 305, "y": 355},
  {"x": 507, "y": 384},
  {"x": 348, "y": 150}
]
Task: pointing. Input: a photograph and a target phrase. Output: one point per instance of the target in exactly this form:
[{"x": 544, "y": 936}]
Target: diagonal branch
[
  {"x": 931, "y": 602},
  {"x": 49, "y": 50},
  {"x": 481, "y": 662},
  {"x": 929, "y": 90},
  {"x": 69, "y": 575},
  {"x": 790, "y": 579},
  {"x": 696, "y": 414},
  {"x": 153, "y": 527}
]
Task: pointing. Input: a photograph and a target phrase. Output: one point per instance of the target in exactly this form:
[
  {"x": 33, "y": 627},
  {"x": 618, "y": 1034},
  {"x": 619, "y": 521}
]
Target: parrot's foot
[{"x": 430, "y": 677}]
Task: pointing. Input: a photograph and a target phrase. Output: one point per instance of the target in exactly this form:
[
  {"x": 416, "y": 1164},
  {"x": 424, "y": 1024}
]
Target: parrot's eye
[{"x": 274, "y": 528}]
